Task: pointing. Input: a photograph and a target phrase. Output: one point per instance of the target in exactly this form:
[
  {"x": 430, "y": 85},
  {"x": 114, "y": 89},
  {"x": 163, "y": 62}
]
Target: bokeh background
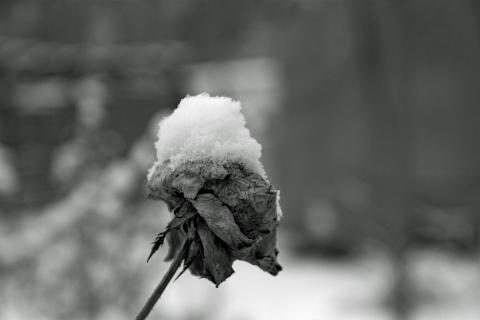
[{"x": 368, "y": 113}]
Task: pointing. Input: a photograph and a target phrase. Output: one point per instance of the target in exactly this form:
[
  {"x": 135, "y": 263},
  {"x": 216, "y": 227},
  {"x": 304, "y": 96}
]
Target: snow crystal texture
[{"x": 207, "y": 128}]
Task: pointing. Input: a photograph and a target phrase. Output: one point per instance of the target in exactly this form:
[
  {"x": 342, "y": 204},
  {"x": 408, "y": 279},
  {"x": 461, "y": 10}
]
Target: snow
[
  {"x": 306, "y": 289},
  {"x": 204, "y": 127},
  {"x": 315, "y": 288}
]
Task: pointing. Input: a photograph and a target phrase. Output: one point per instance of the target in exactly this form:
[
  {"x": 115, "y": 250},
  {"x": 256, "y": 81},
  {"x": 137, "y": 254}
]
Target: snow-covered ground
[
  {"x": 447, "y": 285},
  {"x": 321, "y": 289},
  {"x": 305, "y": 289}
]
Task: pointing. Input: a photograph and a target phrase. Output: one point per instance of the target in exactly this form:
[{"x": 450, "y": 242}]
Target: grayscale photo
[{"x": 239, "y": 160}]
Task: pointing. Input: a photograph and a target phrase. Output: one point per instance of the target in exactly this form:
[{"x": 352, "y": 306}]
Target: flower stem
[{"x": 163, "y": 284}]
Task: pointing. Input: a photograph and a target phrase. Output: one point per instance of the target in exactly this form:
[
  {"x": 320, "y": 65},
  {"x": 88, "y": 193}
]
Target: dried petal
[
  {"x": 262, "y": 254},
  {"x": 220, "y": 220},
  {"x": 190, "y": 177},
  {"x": 251, "y": 199},
  {"x": 182, "y": 215},
  {"x": 188, "y": 185},
  {"x": 160, "y": 186},
  {"x": 217, "y": 259}
]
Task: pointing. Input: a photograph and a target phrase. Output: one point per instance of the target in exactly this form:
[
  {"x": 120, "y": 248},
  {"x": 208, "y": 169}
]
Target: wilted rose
[{"x": 222, "y": 212}]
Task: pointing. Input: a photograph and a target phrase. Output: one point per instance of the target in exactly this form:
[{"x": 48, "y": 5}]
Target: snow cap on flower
[{"x": 205, "y": 127}]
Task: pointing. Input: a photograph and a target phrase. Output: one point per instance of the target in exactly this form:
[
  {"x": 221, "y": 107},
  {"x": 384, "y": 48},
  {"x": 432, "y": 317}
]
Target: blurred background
[{"x": 368, "y": 113}]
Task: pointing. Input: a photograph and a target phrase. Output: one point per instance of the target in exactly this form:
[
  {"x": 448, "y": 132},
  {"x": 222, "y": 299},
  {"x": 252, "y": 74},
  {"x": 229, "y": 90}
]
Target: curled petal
[
  {"x": 190, "y": 177},
  {"x": 216, "y": 257},
  {"x": 220, "y": 220}
]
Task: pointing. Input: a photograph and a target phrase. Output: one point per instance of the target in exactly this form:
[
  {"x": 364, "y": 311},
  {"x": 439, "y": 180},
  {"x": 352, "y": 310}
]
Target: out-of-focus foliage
[{"x": 82, "y": 256}]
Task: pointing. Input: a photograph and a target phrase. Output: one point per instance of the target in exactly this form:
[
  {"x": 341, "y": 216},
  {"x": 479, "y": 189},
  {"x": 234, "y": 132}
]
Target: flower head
[{"x": 210, "y": 176}]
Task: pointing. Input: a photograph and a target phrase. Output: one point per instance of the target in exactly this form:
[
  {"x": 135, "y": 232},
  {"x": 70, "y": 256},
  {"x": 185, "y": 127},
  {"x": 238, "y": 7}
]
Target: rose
[{"x": 222, "y": 212}]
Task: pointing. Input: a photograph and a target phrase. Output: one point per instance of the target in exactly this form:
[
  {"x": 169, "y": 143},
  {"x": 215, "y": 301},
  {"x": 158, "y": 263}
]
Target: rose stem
[{"x": 163, "y": 284}]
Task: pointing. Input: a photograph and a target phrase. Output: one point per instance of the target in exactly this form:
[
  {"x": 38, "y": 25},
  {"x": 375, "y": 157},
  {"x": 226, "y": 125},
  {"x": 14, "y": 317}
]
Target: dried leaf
[
  {"x": 157, "y": 243},
  {"x": 181, "y": 215},
  {"x": 174, "y": 239}
]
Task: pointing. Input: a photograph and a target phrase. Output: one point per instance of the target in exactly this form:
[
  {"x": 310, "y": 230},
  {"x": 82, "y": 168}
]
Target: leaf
[
  {"x": 220, "y": 220},
  {"x": 182, "y": 214},
  {"x": 157, "y": 243},
  {"x": 174, "y": 239}
]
